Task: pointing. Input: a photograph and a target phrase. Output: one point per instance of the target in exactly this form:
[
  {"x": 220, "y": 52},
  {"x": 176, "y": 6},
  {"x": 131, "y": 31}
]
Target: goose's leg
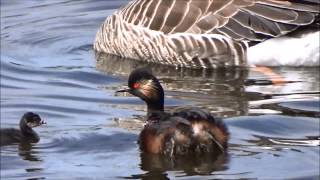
[{"x": 275, "y": 79}]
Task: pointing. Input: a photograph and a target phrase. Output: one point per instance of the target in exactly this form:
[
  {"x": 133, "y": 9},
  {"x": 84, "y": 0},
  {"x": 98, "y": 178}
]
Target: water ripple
[
  {"x": 93, "y": 143},
  {"x": 48, "y": 66}
]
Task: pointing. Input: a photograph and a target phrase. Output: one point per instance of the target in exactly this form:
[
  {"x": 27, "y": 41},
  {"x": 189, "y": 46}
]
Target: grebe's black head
[
  {"x": 31, "y": 120},
  {"x": 143, "y": 84}
]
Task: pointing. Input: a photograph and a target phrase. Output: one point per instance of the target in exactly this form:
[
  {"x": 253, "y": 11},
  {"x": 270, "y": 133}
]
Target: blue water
[{"x": 48, "y": 66}]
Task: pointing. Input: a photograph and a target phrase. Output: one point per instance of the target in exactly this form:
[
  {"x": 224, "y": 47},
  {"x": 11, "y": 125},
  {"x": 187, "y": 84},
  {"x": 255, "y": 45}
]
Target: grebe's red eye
[{"x": 136, "y": 85}]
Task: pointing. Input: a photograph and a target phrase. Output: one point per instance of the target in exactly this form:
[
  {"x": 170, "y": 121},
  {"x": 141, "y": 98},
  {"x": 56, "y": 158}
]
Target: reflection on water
[
  {"x": 94, "y": 143},
  {"x": 220, "y": 90},
  {"x": 27, "y": 152},
  {"x": 48, "y": 66},
  {"x": 156, "y": 166},
  {"x": 269, "y": 141},
  {"x": 226, "y": 92},
  {"x": 196, "y": 165}
]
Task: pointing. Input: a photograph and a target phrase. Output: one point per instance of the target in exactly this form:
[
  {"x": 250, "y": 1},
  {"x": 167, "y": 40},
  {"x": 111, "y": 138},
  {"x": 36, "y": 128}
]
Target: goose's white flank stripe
[{"x": 204, "y": 33}]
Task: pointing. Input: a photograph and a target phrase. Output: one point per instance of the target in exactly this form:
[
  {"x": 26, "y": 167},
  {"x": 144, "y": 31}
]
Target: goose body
[
  {"x": 300, "y": 50},
  {"x": 193, "y": 33}
]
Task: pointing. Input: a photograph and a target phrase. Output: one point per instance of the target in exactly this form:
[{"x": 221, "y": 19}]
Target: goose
[{"x": 212, "y": 33}]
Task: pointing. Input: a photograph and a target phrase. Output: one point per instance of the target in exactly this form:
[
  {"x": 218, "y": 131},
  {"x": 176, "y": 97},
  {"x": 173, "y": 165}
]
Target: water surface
[{"x": 48, "y": 66}]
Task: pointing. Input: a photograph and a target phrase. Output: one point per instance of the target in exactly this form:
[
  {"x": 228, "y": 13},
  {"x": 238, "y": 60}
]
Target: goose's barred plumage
[{"x": 199, "y": 33}]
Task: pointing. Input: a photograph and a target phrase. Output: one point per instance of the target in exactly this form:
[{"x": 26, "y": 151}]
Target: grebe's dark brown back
[{"x": 183, "y": 131}]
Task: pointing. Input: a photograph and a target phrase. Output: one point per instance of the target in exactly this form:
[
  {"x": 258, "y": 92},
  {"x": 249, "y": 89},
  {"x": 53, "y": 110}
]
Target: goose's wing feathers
[
  {"x": 252, "y": 20},
  {"x": 199, "y": 33}
]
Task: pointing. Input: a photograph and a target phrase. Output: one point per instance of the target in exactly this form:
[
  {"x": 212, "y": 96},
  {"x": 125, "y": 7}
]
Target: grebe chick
[
  {"x": 26, "y": 134},
  {"x": 181, "y": 132}
]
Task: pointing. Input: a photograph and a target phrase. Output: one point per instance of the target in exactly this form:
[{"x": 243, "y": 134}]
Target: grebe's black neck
[
  {"x": 155, "y": 107},
  {"x": 155, "y": 101},
  {"x": 25, "y": 129}
]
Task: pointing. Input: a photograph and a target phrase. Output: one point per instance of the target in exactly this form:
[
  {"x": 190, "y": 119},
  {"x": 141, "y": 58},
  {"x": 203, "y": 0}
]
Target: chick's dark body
[{"x": 25, "y": 133}]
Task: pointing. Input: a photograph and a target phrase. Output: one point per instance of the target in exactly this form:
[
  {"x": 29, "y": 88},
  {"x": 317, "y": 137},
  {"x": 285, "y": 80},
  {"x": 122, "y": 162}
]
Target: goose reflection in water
[
  {"x": 219, "y": 90},
  {"x": 231, "y": 91}
]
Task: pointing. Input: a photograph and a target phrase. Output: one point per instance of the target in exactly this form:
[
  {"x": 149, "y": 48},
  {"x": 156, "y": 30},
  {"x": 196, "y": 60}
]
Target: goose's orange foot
[{"x": 275, "y": 78}]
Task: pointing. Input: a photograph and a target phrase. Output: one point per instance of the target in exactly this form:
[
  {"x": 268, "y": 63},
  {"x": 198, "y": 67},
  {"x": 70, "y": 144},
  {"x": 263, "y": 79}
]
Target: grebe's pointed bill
[{"x": 124, "y": 90}]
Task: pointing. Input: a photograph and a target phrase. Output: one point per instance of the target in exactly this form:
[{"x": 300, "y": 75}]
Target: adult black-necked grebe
[
  {"x": 184, "y": 131},
  {"x": 26, "y": 134}
]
